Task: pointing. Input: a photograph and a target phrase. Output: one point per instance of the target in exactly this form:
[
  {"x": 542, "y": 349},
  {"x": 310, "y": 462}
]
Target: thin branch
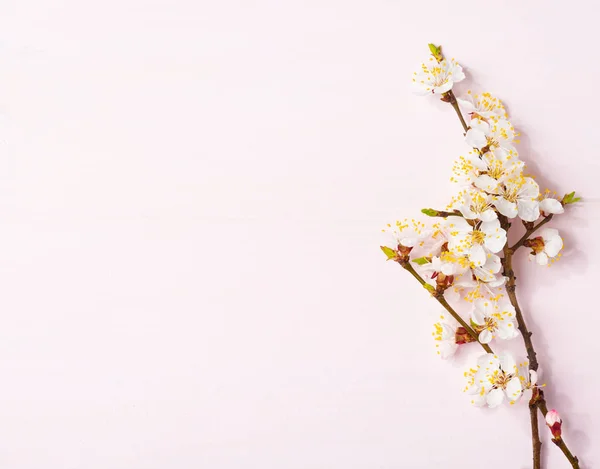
[
  {"x": 535, "y": 437},
  {"x": 440, "y": 298},
  {"x": 454, "y": 104}
]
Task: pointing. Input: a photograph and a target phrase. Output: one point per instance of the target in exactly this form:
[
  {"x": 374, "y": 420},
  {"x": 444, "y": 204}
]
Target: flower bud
[
  {"x": 554, "y": 422},
  {"x": 536, "y": 244},
  {"x": 461, "y": 336},
  {"x": 443, "y": 281}
]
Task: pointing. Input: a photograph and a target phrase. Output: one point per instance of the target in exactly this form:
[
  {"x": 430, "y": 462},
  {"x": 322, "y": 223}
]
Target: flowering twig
[
  {"x": 441, "y": 300},
  {"x": 525, "y": 333},
  {"x": 538, "y": 399},
  {"x": 531, "y": 355},
  {"x": 530, "y": 231},
  {"x": 463, "y": 251}
]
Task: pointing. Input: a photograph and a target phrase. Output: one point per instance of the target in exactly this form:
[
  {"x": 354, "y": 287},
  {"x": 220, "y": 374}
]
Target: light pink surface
[{"x": 191, "y": 197}]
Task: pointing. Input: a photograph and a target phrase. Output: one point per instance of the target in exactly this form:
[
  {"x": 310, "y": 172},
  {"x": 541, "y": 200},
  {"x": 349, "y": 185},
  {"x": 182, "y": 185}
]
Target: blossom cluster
[{"x": 459, "y": 256}]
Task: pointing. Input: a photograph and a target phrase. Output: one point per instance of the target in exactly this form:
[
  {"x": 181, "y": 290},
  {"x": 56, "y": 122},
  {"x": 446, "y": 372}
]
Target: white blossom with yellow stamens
[
  {"x": 494, "y": 135},
  {"x": 407, "y": 233},
  {"x": 486, "y": 172},
  {"x": 519, "y": 195},
  {"x": 437, "y": 77},
  {"x": 493, "y": 319},
  {"x": 495, "y": 379},
  {"x": 484, "y": 105},
  {"x": 546, "y": 247},
  {"x": 476, "y": 205},
  {"x": 444, "y": 335},
  {"x": 475, "y": 240},
  {"x": 529, "y": 380},
  {"x": 550, "y": 205}
]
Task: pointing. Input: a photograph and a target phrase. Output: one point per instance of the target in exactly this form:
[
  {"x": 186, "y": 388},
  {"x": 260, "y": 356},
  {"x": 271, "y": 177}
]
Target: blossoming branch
[{"x": 465, "y": 255}]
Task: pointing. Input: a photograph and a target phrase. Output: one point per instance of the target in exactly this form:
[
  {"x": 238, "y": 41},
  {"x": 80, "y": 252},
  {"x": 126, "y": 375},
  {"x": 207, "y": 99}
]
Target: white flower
[
  {"x": 407, "y": 233},
  {"x": 492, "y": 319},
  {"x": 484, "y": 105},
  {"x": 485, "y": 172},
  {"x": 437, "y": 77},
  {"x": 475, "y": 241},
  {"x": 494, "y": 379},
  {"x": 477, "y": 205},
  {"x": 442, "y": 263},
  {"x": 444, "y": 335},
  {"x": 529, "y": 381},
  {"x": 519, "y": 196},
  {"x": 550, "y": 205},
  {"x": 546, "y": 247},
  {"x": 496, "y": 136}
]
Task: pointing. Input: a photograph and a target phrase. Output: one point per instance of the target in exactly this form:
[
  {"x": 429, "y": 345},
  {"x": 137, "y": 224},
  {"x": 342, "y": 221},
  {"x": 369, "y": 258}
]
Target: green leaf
[
  {"x": 429, "y": 288},
  {"x": 430, "y": 212},
  {"x": 421, "y": 261},
  {"x": 570, "y": 198},
  {"x": 389, "y": 252},
  {"x": 436, "y": 51}
]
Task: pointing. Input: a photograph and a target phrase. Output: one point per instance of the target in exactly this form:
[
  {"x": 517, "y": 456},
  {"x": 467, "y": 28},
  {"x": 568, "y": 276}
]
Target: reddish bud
[
  {"x": 536, "y": 245},
  {"x": 554, "y": 423},
  {"x": 462, "y": 336}
]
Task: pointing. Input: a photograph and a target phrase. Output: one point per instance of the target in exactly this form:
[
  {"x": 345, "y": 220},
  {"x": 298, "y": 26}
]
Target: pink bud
[{"x": 554, "y": 422}]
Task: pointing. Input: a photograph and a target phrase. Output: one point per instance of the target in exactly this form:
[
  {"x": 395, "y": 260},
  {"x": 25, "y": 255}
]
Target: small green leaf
[
  {"x": 421, "y": 261},
  {"x": 430, "y": 212},
  {"x": 429, "y": 288},
  {"x": 436, "y": 51},
  {"x": 389, "y": 252},
  {"x": 570, "y": 198}
]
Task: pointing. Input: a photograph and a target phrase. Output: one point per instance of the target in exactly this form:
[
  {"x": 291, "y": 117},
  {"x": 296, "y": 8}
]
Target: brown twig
[
  {"x": 538, "y": 401},
  {"x": 535, "y": 436},
  {"x": 454, "y": 104}
]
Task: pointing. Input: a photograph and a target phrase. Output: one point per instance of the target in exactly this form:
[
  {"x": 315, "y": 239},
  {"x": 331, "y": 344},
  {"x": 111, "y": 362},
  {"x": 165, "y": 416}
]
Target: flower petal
[
  {"x": 551, "y": 205},
  {"x": 485, "y": 336},
  {"x": 529, "y": 210},
  {"x": 486, "y": 183},
  {"x": 507, "y": 362},
  {"x": 494, "y": 398},
  {"x": 533, "y": 377},
  {"x": 506, "y": 208},
  {"x": 488, "y": 215},
  {"x": 553, "y": 243},
  {"x": 513, "y": 389},
  {"x": 541, "y": 258},
  {"x": 495, "y": 242},
  {"x": 477, "y": 255},
  {"x": 476, "y": 138}
]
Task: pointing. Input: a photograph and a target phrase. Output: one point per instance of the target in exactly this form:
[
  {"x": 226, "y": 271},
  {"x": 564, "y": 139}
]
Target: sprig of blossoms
[{"x": 465, "y": 256}]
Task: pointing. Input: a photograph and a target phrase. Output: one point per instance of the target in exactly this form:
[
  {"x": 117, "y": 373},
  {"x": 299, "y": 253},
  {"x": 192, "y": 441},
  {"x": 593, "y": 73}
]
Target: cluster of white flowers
[{"x": 460, "y": 257}]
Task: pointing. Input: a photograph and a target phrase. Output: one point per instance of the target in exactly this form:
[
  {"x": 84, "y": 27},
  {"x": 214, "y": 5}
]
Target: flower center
[
  {"x": 499, "y": 379},
  {"x": 478, "y": 237},
  {"x": 490, "y": 324}
]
